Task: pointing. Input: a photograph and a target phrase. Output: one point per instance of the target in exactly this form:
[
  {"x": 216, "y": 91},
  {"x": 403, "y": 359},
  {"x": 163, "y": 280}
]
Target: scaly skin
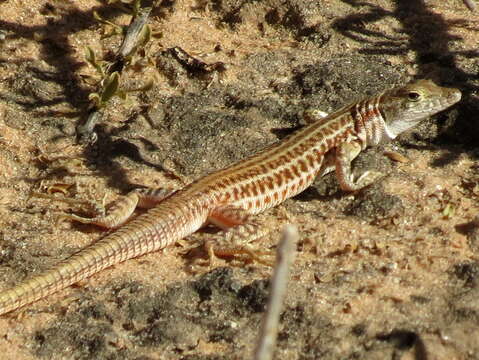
[{"x": 227, "y": 197}]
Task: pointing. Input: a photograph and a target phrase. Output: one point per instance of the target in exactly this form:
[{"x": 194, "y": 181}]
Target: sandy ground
[{"x": 390, "y": 272}]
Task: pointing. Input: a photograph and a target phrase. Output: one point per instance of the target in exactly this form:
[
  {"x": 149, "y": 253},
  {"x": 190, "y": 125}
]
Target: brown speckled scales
[{"x": 252, "y": 185}]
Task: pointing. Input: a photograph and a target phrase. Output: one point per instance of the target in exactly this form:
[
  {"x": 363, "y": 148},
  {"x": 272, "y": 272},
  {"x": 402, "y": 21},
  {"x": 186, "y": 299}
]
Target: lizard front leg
[
  {"x": 239, "y": 231},
  {"x": 345, "y": 153}
]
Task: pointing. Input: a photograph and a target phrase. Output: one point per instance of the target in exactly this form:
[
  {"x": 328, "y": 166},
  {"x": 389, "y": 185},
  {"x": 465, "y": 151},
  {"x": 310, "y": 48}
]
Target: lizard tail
[
  {"x": 79, "y": 266},
  {"x": 151, "y": 231}
]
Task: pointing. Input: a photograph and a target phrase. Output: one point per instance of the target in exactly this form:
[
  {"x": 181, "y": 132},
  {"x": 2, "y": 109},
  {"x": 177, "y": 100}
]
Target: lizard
[{"x": 229, "y": 198}]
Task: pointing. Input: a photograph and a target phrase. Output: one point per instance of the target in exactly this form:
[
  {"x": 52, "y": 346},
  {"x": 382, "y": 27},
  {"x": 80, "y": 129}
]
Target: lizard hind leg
[
  {"x": 121, "y": 209},
  {"x": 238, "y": 232}
]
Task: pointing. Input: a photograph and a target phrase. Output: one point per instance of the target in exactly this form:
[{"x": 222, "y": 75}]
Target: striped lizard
[{"x": 228, "y": 198}]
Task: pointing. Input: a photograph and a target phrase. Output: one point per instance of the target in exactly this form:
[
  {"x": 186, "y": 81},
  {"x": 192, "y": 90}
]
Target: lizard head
[{"x": 404, "y": 107}]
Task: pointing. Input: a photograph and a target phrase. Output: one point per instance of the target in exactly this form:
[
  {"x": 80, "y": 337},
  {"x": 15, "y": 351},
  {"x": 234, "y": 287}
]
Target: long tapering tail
[{"x": 151, "y": 231}]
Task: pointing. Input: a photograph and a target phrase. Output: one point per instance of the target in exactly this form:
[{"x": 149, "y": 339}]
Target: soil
[{"x": 390, "y": 272}]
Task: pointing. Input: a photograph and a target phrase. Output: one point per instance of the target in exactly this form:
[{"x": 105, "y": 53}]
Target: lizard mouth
[{"x": 454, "y": 95}]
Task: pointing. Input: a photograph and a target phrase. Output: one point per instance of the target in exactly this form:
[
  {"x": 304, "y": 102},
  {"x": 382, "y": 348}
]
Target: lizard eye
[{"x": 413, "y": 96}]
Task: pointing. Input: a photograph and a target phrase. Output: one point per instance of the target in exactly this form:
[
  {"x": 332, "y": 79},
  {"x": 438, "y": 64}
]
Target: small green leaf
[
  {"x": 95, "y": 98},
  {"x": 91, "y": 59},
  {"x": 449, "y": 211},
  {"x": 90, "y": 55},
  {"x": 111, "y": 87},
  {"x": 145, "y": 35}
]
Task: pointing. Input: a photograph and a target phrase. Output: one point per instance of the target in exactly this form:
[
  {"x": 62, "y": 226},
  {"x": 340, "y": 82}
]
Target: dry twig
[
  {"x": 471, "y": 5},
  {"x": 134, "y": 37},
  {"x": 279, "y": 280}
]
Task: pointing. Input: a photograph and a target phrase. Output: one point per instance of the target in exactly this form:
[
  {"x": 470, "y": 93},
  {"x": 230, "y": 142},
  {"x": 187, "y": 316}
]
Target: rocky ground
[{"x": 390, "y": 272}]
